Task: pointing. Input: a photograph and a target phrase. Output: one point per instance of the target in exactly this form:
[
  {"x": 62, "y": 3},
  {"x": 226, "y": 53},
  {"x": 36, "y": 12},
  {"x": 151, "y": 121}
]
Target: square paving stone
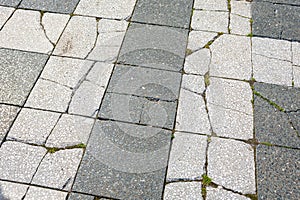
[
  {"x": 8, "y": 115},
  {"x": 145, "y": 82},
  {"x": 10, "y": 190},
  {"x": 10, "y": 2},
  {"x": 65, "y": 6},
  {"x": 139, "y": 110},
  {"x": 124, "y": 161},
  {"x": 154, "y": 46},
  {"x": 277, "y": 172},
  {"x": 175, "y": 13},
  {"x": 19, "y": 71}
]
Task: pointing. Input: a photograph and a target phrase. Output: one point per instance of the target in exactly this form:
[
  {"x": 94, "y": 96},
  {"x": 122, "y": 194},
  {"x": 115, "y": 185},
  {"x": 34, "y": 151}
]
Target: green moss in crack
[
  {"x": 250, "y": 35},
  {"x": 267, "y": 144},
  {"x": 206, "y": 79},
  {"x": 252, "y": 196},
  {"x": 278, "y": 107},
  {"x": 52, "y": 149},
  {"x": 188, "y": 52},
  {"x": 206, "y": 180},
  {"x": 203, "y": 191}
]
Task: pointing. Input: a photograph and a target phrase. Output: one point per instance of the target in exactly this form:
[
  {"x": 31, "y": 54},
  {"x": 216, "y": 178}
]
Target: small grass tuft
[
  {"x": 52, "y": 149},
  {"x": 206, "y": 79},
  {"x": 206, "y": 180},
  {"x": 250, "y": 35},
  {"x": 81, "y": 145},
  {"x": 188, "y": 52},
  {"x": 267, "y": 144}
]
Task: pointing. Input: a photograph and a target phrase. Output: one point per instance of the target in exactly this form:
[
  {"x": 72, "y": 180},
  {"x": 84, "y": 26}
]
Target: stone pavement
[{"x": 149, "y": 99}]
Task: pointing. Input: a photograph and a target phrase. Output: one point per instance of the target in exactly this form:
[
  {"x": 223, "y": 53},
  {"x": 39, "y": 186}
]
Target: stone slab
[
  {"x": 8, "y": 115},
  {"x": 10, "y": 2},
  {"x": 124, "y": 161},
  {"x": 176, "y": 13},
  {"x": 220, "y": 5},
  {"x": 198, "y": 62},
  {"x": 44, "y": 194},
  {"x": 183, "y": 190},
  {"x": 17, "y": 80},
  {"x": 5, "y": 13},
  {"x": 277, "y": 172},
  {"x": 10, "y": 190},
  {"x": 296, "y": 53},
  {"x": 76, "y": 196},
  {"x": 220, "y": 194},
  {"x": 154, "y": 46}
]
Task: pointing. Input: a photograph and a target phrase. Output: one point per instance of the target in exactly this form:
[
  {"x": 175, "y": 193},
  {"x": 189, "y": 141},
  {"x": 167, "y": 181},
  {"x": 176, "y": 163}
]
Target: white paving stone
[
  {"x": 12, "y": 191},
  {"x": 230, "y": 123},
  {"x": 8, "y": 114},
  {"x": 49, "y": 96},
  {"x": 273, "y": 48},
  {"x": 187, "y": 158},
  {"x": 271, "y": 70},
  {"x": 198, "y": 62},
  {"x": 23, "y": 31},
  {"x": 33, "y": 126},
  {"x": 241, "y": 7},
  {"x": 100, "y": 74},
  {"x": 191, "y": 114},
  {"x": 54, "y": 25},
  {"x": 193, "y": 83},
  {"x": 79, "y": 37},
  {"x": 239, "y": 25},
  {"x": 231, "y": 57},
  {"x": 35, "y": 193},
  {"x": 198, "y": 39},
  {"x": 58, "y": 169},
  {"x": 231, "y": 94},
  {"x": 87, "y": 99},
  {"x": 5, "y": 13},
  {"x": 117, "y": 9},
  {"x": 211, "y": 5},
  {"x": 210, "y": 21},
  {"x": 296, "y": 53},
  {"x": 296, "y": 71},
  {"x": 221, "y": 194},
  {"x": 70, "y": 130},
  {"x": 231, "y": 164},
  {"x": 66, "y": 71},
  {"x": 183, "y": 191},
  {"x": 19, "y": 161}
]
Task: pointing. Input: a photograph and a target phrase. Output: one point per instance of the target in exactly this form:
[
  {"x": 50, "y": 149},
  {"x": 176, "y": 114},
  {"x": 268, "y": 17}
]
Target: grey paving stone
[
  {"x": 242, "y": 8},
  {"x": 276, "y": 20},
  {"x": 138, "y": 110},
  {"x": 145, "y": 82},
  {"x": 198, "y": 39},
  {"x": 19, "y": 161},
  {"x": 291, "y": 2},
  {"x": 154, "y": 46},
  {"x": 295, "y": 120},
  {"x": 58, "y": 170},
  {"x": 44, "y": 194},
  {"x": 33, "y": 126},
  {"x": 296, "y": 76},
  {"x": 10, "y": 190},
  {"x": 221, "y": 194},
  {"x": 5, "y": 13},
  {"x": 10, "y": 2},
  {"x": 239, "y": 25},
  {"x": 17, "y": 80},
  {"x": 8, "y": 114},
  {"x": 124, "y": 161},
  {"x": 183, "y": 190},
  {"x": 198, "y": 62},
  {"x": 50, "y": 96},
  {"x": 277, "y": 173},
  {"x": 76, "y": 196},
  {"x": 175, "y": 13},
  {"x": 193, "y": 83},
  {"x": 296, "y": 53},
  {"x": 211, "y": 5},
  {"x": 100, "y": 74},
  {"x": 231, "y": 164},
  {"x": 273, "y": 126},
  {"x": 69, "y": 131},
  {"x": 66, "y": 6},
  {"x": 188, "y": 155},
  {"x": 286, "y": 97}
]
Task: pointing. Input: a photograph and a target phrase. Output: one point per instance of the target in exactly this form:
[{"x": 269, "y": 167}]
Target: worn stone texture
[
  {"x": 210, "y": 21},
  {"x": 176, "y": 13},
  {"x": 239, "y": 25},
  {"x": 8, "y": 115},
  {"x": 193, "y": 83},
  {"x": 17, "y": 80},
  {"x": 23, "y": 31},
  {"x": 183, "y": 190},
  {"x": 198, "y": 39},
  {"x": 44, "y": 194},
  {"x": 211, "y": 5},
  {"x": 296, "y": 76},
  {"x": 5, "y": 13},
  {"x": 221, "y": 194},
  {"x": 33, "y": 126},
  {"x": 66, "y": 6},
  {"x": 10, "y": 190},
  {"x": 231, "y": 164},
  {"x": 10, "y": 2},
  {"x": 188, "y": 154},
  {"x": 76, "y": 196},
  {"x": 19, "y": 161},
  {"x": 198, "y": 62},
  {"x": 231, "y": 57},
  {"x": 278, "y": 172},
  {"x": 242, "y": 8},
  {"x": 296, "y": 53}
]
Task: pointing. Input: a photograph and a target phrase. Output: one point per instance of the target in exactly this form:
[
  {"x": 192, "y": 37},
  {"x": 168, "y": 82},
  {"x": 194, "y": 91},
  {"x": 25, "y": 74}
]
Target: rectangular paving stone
[
  {"x": 221, "y": 194},
  {"x": 175, "y": 13},
  {"x": 154, "y": 46},
  {"x": 211, "y": 5},
  {"x": 5, "y": 13},
  {"x": 183, "y": 190},
  {"x": 277, "y": 172},
  {"x": 8, "y": 115},
  {"x": 44, "y": 194},
  {"x": 19, "y": 71},
  {"x": 10, "y": 2},
  {"x": 124, "y": 161},
  {"x": 291, "y": 2},
  {"x": 65, "y": 6},
  {"x": 76, "y": 196},
  {"x": 10, "y": 190},
  {"x": 145, "y": 82},
  {"x": 139, "y": 110}
]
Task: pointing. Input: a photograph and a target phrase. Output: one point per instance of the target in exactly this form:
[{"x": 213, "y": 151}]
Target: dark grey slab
[
  {"x": 286, "y": 97},
  {"x": 7, "y": 116},
  {"x": 175, "y": 13},
  {"x": 154, "y": 46},
  {"x": 278, "y": 174},
  {"x": 138, "y": 110},
  {"x": 9, "y": 2},
  {"x": 124, "y": 161},
  {"x": 145, "y": 82},
  {"x": 276, "y": 20},
  {"x": 19, "y": 71},
  {"x": 76, "y": 196},
  {"x": 289, "y": 2},
  {"x": 59, "y": 6},
  {"x": 295, "y": 119}
]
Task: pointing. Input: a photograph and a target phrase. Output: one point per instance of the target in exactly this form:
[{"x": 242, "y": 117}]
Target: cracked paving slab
[
  {"x": 220, "y": 194},
  {"x": 5, "y": 13},
  {"x": 8, "y": 115}
]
